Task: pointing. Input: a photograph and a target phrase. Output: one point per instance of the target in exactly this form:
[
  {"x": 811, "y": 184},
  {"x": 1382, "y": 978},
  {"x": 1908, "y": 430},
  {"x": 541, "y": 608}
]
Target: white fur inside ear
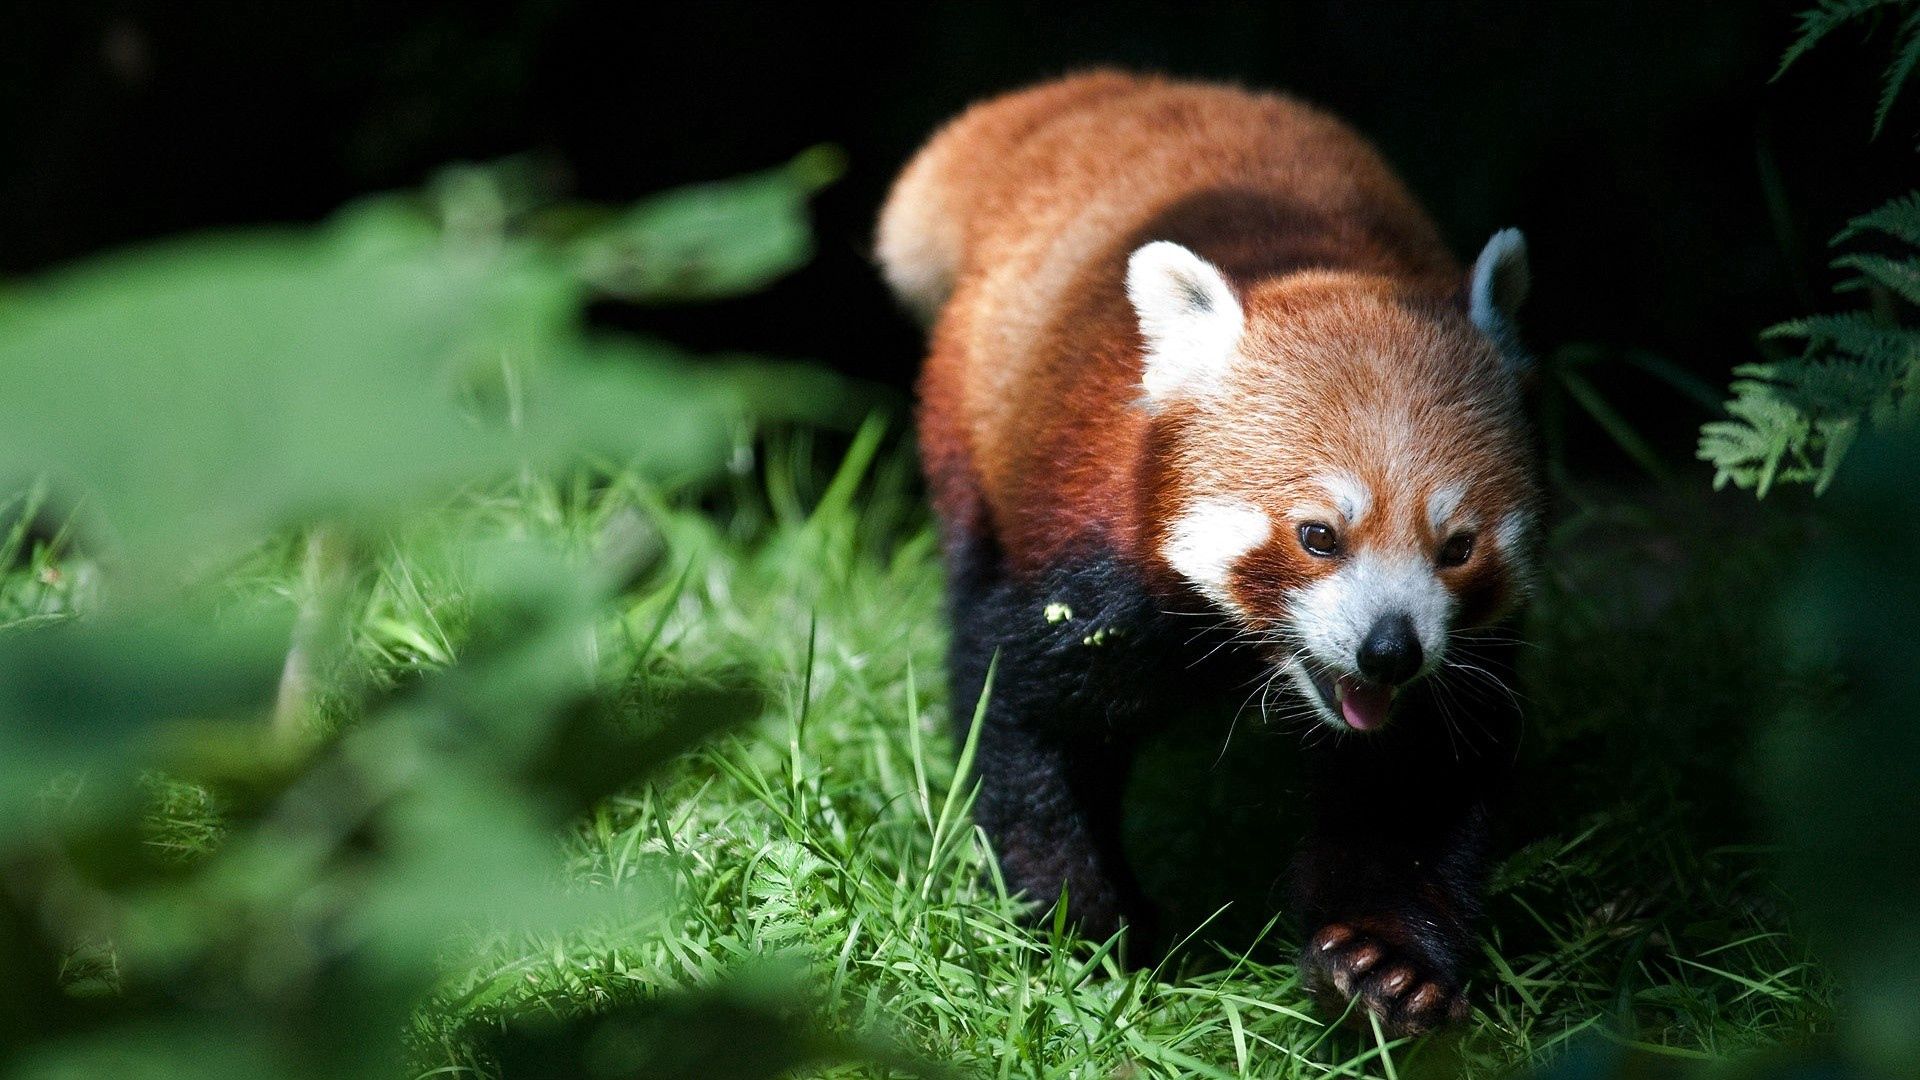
[
  {"x": 1209, "y": 537},
  {"x": 1496, "y": 290},
  {"x": 1189, "y": 318},
  {"x": 1500, "y": 278}
]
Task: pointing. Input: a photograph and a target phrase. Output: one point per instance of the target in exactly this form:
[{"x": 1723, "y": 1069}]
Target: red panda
[{"x": 1196, "y": 351}]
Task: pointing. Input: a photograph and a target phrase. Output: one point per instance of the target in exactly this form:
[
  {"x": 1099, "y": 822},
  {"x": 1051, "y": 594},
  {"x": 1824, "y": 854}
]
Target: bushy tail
[
  {"x": 921, "y": 244},
  {"x": 918, "y": 243}
]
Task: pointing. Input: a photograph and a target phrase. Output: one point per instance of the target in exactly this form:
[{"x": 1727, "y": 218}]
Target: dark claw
[
  {"x": 1424, "y": 999},
  {"x": 1394, "y": 981},
  {"x": 1332, "y": 937},
  {"x": 1362, "y": 959}
]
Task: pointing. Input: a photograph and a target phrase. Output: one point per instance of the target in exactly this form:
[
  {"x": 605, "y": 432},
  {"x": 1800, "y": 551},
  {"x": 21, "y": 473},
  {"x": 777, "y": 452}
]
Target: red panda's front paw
[{"x": 1385, "y": 974}]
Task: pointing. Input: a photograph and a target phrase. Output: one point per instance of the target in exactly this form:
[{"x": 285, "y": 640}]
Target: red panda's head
[{"x": 1341, "y": 463}]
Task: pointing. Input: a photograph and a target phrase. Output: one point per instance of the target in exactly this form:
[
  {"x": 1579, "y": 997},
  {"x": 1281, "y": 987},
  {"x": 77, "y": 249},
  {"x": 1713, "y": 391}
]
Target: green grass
[{"x": 828, "y": 841}]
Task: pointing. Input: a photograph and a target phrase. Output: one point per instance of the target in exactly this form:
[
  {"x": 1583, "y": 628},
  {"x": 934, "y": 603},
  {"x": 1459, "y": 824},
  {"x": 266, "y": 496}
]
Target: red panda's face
[{"x": 1348, "y": 479}]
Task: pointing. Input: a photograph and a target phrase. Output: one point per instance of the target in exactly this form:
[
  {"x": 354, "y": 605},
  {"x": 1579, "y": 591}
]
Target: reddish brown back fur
[{"x": 1020, "y": 215}]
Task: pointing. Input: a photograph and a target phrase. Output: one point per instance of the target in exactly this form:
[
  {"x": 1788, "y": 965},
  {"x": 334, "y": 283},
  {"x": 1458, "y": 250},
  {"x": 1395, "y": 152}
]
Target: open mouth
[{"x": 1347, "y": 699}]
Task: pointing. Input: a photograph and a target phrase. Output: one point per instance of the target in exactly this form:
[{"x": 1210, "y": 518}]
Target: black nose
[{"x": 1391, "y": 653}]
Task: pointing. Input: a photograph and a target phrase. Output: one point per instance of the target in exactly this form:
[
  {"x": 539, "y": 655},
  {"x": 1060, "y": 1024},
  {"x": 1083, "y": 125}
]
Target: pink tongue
[{"x": 1363, "y": 707}]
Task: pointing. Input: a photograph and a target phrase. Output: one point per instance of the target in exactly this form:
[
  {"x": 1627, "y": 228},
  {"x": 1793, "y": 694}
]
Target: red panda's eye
[
  {"x": 1457, "y": 550},
  {"x": 1319, "y": 539}
]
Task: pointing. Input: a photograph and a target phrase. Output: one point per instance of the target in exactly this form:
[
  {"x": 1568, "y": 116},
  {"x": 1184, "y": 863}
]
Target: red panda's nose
[{"x": 1390, "y": 655}]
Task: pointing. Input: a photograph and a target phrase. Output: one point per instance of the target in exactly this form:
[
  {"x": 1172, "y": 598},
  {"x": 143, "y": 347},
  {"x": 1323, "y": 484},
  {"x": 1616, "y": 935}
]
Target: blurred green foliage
[
  {"x": 1838, "y": 782},
  {"x": 186, "y": 892},
  {"x": 204, "y": 393},
  {"x": 705, "y": 242},
  {"x": 1801, "y": 671}
]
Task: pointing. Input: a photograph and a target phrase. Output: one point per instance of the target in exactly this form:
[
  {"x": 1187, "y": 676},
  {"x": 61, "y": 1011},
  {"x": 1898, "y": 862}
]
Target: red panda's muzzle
[
  {"x": 1358, "y": 703},
  {"x": 1364, "y": 706}
]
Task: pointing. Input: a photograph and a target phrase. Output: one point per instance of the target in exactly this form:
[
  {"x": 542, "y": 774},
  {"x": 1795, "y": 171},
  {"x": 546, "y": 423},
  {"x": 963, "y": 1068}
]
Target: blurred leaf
[
  {"x": 594, "y": 755},
  {"x": 89, "y": 692},
  {"x": 31, "y": 1000},
  {"x": 202, "y": 394},
  {"x": 216, "y": 389},
  {"x": 747, "y": 1029},
  {"x": 1839, "y": 782},
  {"x": 184, "y": 1048},
  {"x": 714, "y": 240},
  {"x": 272, "y": 908}
]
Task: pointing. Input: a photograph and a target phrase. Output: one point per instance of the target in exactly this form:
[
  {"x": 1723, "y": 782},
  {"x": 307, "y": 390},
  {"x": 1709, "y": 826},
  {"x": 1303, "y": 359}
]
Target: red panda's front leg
[
  {"x": 1068, "y": 650},
  {"x": 1052, "y": 808},
  {"x": 1390, "y": 925},
  {"x": 1390, "y": 880}
]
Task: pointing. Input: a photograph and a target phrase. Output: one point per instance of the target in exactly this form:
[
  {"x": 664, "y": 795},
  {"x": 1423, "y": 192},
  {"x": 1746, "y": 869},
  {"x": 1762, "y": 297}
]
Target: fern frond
[
  {"x": 1824, "y": 18},
  {"x": 1856, "y": 334},
  {"x": 1793, "y": 421},
  {"x": 1899, "y": 276},
  {"x": 1747, "y": 450},
  {"x": 1906, "y": 54},
  {"x": 1898, "y": 218}
]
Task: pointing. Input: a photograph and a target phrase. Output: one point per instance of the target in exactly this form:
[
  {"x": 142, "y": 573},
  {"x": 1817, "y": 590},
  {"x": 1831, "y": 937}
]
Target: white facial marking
[
  {"x": 1350, "y": 496},
  {"x": 1212, "y": 535},
  {"x": 1189, "y": 318},
  {"x": 1514, "y": 535},
  {"x": 1441, "y": 506},
  {"x": 1333, "y": 616},
  {"x": 1514, "y": 529},
  {"x": 1296, "y": 673}
]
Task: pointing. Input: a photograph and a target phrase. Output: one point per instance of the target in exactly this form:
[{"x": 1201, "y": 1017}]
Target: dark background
[{"x": 1676, "y": 201}]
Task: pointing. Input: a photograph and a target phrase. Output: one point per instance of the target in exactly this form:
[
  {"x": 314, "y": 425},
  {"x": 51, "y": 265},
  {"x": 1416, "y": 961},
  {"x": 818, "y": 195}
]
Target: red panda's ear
[
  {"x": 1495, "y": 291},
  {"x": 1189, "y": 320}
]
